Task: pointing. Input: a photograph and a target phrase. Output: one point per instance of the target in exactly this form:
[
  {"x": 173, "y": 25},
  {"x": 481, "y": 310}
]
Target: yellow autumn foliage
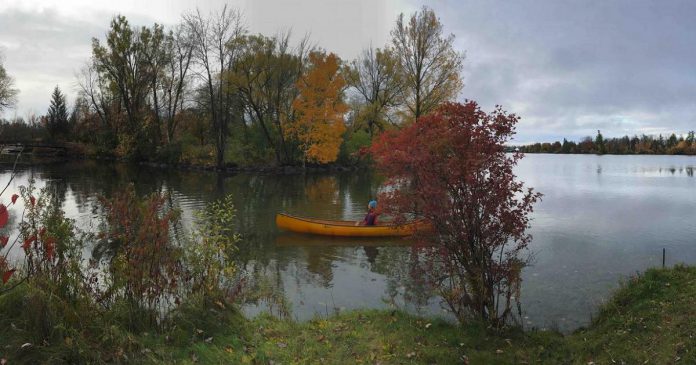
[{"x": 319, "y": 109}]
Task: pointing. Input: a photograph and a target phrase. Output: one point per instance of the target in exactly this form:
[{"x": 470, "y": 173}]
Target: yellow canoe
[{"x": 346, "y": 228}]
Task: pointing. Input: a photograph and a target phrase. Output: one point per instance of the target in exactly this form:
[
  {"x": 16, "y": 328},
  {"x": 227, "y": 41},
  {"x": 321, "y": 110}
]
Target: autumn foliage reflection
[{"x": 451, "y": 168}]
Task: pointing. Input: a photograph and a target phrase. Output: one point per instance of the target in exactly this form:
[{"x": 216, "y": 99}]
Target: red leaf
[
  {"x": 33, "y": 200},
  {"x": 42, "y": 232},
  {"x": 7, "y": 275},
  {"x": 4, "y": 215},
  {"x": 3, "y": 241},
  {"x": 28, "y": 242},
  {"x": 14, "y": 198},
  {"x": 50, "y": 246}
]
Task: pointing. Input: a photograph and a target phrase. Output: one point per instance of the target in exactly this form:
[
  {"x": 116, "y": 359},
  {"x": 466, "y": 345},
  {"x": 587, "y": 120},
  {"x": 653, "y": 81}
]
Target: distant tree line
[
  {"x": 207, "y": 91},
  {"x": 636, "y": 145}
]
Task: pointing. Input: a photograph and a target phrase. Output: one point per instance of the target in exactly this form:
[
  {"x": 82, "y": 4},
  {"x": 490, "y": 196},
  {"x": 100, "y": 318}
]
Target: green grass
[
  {"x": 650, "y": 319},
  {"x": 364, "y": 337}
]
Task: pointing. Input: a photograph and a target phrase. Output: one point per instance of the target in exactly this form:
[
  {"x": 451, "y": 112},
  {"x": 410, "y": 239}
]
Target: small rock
[
  {"x": 499, "y": 351},
  {"x": 282, "y": 345}
]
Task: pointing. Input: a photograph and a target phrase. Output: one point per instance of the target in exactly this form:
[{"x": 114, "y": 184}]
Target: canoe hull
[{"x": 344, "y": 228}]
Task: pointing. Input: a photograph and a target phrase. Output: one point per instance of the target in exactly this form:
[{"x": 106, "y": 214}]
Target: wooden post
[{"x": 663, "y": 257}]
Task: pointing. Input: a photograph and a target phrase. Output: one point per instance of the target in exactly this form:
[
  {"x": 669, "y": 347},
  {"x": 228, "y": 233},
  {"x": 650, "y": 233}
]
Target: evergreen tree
[
  {"x": 599, "y": 143},
  {"x": 565, "y": 147},
  {"x": 57, "y": 121}
]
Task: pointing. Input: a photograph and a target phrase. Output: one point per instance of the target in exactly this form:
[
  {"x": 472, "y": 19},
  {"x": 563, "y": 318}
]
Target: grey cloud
[
  {"x": 573, "y": 67},
  {"x": 43, "y": 49}
]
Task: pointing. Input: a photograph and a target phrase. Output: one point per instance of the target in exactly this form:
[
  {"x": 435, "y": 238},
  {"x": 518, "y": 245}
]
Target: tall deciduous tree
[
  {"x": 319, "y": 124},
  {"x": 8, "y": 94},
  {"x": 266, "y": 78},
  {"x": 57, "y": 118},
  {"x": 217, "y": 45},
  {"x": 430, "y": 66},
  {"x": 157, "y": 52},
  {"x": 127, "y": 62},
  {"x": 175, "y": 78},
  {"x": 379, "y": 85},
  {"x": 451, "y": 168},
  {"x": 94, "y": 87}
]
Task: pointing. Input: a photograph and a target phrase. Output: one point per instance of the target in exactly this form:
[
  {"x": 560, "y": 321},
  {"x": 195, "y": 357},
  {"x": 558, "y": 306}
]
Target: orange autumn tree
[{"x": 319, "y": 108}]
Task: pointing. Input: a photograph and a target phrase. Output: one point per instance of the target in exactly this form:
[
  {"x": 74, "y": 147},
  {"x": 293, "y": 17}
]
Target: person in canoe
[{"x": 371, "y": 216}]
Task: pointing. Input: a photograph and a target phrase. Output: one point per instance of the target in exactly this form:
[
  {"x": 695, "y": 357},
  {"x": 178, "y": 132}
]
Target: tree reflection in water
[{"x": 290, "y": 274}]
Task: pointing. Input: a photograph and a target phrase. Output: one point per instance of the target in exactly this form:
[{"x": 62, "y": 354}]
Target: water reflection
[{"x": 602, "y": 217}]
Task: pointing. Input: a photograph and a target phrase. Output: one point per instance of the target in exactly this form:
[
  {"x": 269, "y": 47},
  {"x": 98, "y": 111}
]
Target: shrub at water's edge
[
  {"x": 58, "y": 306},
  {"x": 450, "y": 168}
]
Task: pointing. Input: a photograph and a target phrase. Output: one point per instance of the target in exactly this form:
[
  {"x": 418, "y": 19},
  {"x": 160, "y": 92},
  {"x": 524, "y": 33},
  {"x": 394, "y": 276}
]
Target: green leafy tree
[
  {"x": 57, "y": 121},
  {"x": 131, "y": 64}
]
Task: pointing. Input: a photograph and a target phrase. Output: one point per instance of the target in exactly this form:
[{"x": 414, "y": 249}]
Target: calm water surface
[{"x": 602, "y": 218}]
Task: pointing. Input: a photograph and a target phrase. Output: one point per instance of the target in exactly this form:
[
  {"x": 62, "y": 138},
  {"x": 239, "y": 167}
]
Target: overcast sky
[{"x": 567, "y": 68}]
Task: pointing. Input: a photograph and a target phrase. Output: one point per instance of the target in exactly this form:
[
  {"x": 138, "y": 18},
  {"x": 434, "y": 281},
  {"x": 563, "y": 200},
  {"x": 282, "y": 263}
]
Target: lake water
[{"x": 601, "y": 219}]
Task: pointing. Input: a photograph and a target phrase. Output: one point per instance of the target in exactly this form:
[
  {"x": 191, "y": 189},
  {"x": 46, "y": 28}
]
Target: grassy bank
[{"x": 648, "y": 320}]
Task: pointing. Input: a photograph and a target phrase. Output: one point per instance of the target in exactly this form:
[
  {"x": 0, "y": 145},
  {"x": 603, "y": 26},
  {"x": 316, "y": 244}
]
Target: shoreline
[
  {"x": 29, "y": 159},
  {"x": 648, "y": 319}
]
